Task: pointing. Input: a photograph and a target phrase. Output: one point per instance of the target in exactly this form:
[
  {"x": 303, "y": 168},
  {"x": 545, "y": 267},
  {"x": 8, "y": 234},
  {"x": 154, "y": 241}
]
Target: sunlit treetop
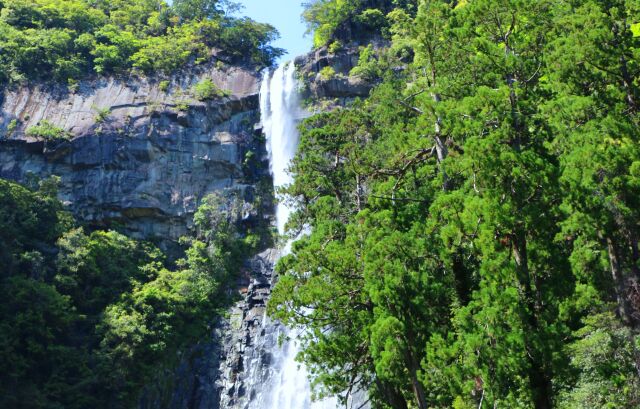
[{"x": 70, "y": 39}]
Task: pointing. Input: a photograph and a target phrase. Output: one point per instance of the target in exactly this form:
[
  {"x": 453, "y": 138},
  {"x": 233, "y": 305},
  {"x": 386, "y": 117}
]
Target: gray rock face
[
  {"x": 248, "y": 351},
  {"x": 139, "y": 153},
  {"x": 342, "y": 86}
]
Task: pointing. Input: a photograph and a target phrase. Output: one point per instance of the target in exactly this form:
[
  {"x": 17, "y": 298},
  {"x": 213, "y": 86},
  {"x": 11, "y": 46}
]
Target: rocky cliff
[
  {"x": 137, "y": 153},
  {"x": 341, "y": 87}
]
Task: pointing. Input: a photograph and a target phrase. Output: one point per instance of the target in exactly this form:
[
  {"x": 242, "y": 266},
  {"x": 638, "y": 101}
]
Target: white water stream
[
  {"x": 280, "y": 112},
  {"x": 288, "y": 385}
]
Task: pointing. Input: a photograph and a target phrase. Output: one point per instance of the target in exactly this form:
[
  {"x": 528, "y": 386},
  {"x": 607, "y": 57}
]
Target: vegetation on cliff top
[
  {"x": 474, "y": 224},
  {"x": 66, "y": 40},
  {"x": 353, "y": 20}
]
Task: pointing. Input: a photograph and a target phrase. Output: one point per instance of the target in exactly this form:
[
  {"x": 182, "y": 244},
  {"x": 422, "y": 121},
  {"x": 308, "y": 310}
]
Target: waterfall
[
  {"x": 287, "y": 385},
  {"x": 280, "y": 112}
]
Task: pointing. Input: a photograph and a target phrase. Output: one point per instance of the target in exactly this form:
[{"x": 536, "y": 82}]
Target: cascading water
[
  {"x": 286, "y": 385},
  {"x": 280, "y": 112}
]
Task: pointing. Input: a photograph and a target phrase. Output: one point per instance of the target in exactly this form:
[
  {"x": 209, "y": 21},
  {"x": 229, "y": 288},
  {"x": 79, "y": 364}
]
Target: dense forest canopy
[
  {"x": 89, "y": 318},
  {"x": 474, "y": 223},
  {"x": 66, "y": 40}
]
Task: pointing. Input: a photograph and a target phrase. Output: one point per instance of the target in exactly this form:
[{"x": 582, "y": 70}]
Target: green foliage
[
  {"x": 182, "y": 106},
  {"x": 102, "y": 114},
  {"x": 113, "y": 49},
  {"x": 603, "y": 359},
  {"x": 348, "y": 20},
  {"x": 368, "y": 68},
  {"x": 325, "y": 16},
  {"x": 47, "y": 131},
  {"x": 206, "y": 90},
  {"x": 68, "y": 39},
  {"x": 155, "y": 320},
  {"x": 335, "y": 47},
  {"x": 96, "y": 269},
  {"x": 40, "y": 365},
  {"x": 196, "y": 9},
  {"x": 372, "y": 18},
  {"x": 12, "y": 127},
  {"x": 474, "y": 223},
  {"x": 327, "y": 73},
  {"x": 88, "y": 320},
  {"x": 175, "y": 49},
  {"x": 245, "y": 40},
  {"x": 28, "y": 222}
]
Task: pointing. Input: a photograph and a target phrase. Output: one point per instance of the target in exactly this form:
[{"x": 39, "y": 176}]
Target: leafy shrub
[
  {"x": 169, "y": 52},
  {"x": 102, "y": 114},
  {"x": 246, "y": 40},
  {"x": 368, "y": 67},
  {"x": 113, "y": 49},
  {"x": 12, "y": 127},
  {"x": 182, "y": 106},
  {"x": 325, "y": 17},
  {"x": 335, "y": 47},
  {"x": 47, "y": 131},
  {"x": 206, "y": 90},
  {"x": 372, "y": 19},
  {"x": 72, "y": 85},
  {"x": 331, "y": 20},
  {"x": 327, "y": 73},
  {"x": 164, "y": 86}
]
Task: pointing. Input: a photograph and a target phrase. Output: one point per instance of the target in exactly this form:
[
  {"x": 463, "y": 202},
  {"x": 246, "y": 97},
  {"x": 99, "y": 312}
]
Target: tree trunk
[
  {"x": 418, "y": 389},
  {"x": 627, "y": 78},
  {"x": 391, "y": 395},
  {"x": 627, "y": 83},
  {"x": 624, "y": 309},
  {"x": 635, "y": 255},
  {"x": 441, "y": 147},
  {"x": 412, "y": 363},
  {"x": 539, "y": 377}
]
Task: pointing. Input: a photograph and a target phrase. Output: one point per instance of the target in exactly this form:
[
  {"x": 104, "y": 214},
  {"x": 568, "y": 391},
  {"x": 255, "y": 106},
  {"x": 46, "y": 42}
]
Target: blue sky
[{"x": 285, "y": 16}]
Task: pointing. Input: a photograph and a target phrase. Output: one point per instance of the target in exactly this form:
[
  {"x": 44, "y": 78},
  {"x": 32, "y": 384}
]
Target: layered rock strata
[{"x": 134, "y": 153}]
